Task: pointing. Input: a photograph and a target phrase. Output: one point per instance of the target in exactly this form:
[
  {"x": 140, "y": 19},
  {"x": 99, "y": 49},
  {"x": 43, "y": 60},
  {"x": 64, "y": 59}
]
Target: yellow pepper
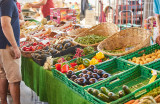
[
  {"x": 100, "y": 55},
  {"x": 80, "y": 67},
  {"x": 94, "y": 61}
]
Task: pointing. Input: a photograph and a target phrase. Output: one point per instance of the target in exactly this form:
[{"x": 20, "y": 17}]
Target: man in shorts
[{"x": 10, "y": 61}]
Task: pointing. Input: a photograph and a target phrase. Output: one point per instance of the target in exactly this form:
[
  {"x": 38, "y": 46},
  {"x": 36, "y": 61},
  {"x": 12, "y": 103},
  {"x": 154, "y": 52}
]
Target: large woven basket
[
  {"x": 135, "y": 37},
  {"x": 76, "y": 32},
  {"x": 103, "y": 29}
]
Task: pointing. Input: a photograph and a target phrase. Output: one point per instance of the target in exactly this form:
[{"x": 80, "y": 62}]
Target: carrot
[
  {"x": 130, "y": 102},
  {"x": 136, "y": 102}
]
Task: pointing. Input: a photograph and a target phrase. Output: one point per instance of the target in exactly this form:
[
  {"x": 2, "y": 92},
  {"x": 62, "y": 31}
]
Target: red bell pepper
[
  {"x": 65, "y": 68},
  {"x": 99, "y": 60},
  {"x": 73, "y": 64},
  {"x": 58, "y": 67}
]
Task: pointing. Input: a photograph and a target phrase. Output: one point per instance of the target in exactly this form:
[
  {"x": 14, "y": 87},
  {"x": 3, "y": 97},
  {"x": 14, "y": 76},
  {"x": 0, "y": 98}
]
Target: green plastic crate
[
  {"x": 114, "y": 66},
  {"x": 62, "y": 76},
  {"x": 136, "y": 76},
  {"x": 139, "y": 53},
  {"x": 154, "y": 65}
]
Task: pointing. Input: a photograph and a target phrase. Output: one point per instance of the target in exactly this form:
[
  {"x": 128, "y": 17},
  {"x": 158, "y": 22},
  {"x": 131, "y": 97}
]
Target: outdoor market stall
[{"x": 60, "y": 62}]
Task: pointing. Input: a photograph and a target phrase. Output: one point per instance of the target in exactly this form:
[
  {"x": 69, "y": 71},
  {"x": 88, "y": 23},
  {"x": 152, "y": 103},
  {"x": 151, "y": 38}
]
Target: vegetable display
[
  {"x": 107, "y": 96},
  {"x": 89, "y": 76},
  {"x": 90, "y": 39},
  {"x": 82, "y": 63},
  {"x": 146, "y": 58}
]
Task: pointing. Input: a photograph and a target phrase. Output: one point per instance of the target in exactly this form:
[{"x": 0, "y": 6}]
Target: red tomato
[
  {"x": 34, "y": 44},
  {"x": 33, "y": 49},
  {"x": 41, "y": 43},
  {"x": 24, "y": 48}
]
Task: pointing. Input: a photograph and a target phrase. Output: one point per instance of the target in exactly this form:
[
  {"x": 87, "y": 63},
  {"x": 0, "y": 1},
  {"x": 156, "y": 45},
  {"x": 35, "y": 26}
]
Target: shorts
[{"x": 10, "y": 68}]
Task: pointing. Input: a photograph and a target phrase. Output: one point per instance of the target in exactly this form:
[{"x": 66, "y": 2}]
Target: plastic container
[
  {"x": 135, "y": 78},
  {"x": 113, "y": 66},
  {"x": 154, "y": 65},
  {"x": 63, "y": 77},
  {"x": 139, "y": 53}
]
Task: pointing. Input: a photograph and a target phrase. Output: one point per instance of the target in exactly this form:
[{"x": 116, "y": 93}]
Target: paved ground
[{"x": 27, "y": 96}]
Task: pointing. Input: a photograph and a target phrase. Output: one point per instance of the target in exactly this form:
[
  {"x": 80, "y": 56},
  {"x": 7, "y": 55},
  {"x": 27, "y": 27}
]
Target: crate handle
[
  {"x": 114, "y": 80},
  {"x": 140, "y": 92},
  {"x": 73, "y": 83},
  {"x": 144, "y": 50},
  {"x": 97, "y": 100}
]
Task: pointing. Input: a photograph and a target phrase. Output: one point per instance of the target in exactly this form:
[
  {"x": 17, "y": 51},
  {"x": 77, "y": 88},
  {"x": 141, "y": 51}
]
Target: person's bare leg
[
  {"x": 3, "y": 90},
  {"x": 15, "y": 92}
]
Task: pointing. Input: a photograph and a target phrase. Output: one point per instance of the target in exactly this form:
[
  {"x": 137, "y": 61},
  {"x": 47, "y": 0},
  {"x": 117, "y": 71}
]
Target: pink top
[
  {"x": 19, "y": 7},
  {"x": 46, "y": 8}
]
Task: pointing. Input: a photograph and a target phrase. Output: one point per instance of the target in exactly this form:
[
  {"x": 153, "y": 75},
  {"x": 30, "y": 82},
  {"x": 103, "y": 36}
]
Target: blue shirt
[
  {"x": 156, "y": 6},
  {"x": 9, "y": 8}
]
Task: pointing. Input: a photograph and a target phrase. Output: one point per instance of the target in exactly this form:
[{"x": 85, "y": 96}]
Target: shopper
[
  {"x": 10, "y": 54},
  {"x": 45, "y": 7},
  {"x": 157, "y": 13}
]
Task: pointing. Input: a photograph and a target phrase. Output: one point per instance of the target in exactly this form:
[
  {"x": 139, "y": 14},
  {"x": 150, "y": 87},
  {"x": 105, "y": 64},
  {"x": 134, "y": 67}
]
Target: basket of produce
[
  {"x": 125, "y": 42},
  {"x": 27, "y": 50},
  {"x": 144, "y": 56},
  {"x": 94, "y": 74},
  {"x": 122, "y": 87},
  {"x": 74, "y": 33},
  {"x": 40, "y": 56},
  {"x": 96, "y": 34}
]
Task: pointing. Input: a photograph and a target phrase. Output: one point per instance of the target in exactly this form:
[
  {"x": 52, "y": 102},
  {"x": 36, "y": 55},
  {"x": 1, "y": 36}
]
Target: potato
[
  {"x": 141, "y": 62},
  {"x": 143, "y": 58},
  {"x": 129, "y": 60},
  {"x": 149, "y": 59},
  {"x": 134, "y": 58},
  {"x": 158, "y": 51},
  {"x": 158, "y": 55},
  {"x": 137, "y": 62},
  {"x": 153, "y": 57},
  {"x": 153, "y": 54},
  {"x": 145, "y": 62},
  {"x": 147, "y": 56}
]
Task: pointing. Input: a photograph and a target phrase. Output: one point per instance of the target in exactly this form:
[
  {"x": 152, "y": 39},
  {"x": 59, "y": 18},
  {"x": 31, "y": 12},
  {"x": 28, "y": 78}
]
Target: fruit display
[
  {"x": 107, "y": 96},
  {"x": 89, "y": 76},
  {"x": 82, "y": 63},
  {"x": 34, "y": 46},
  {"x": 146, "y": 58},
  {"x": 145, "y": 100},
  {"x": 90, "y": 39}
]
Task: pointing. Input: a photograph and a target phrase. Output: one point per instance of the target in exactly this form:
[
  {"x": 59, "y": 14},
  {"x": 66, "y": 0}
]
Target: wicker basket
[
  {"x": 77, "y": 31},
  {"x": 103, "y": 29},
  {"x": 26, "y": 54},
  {"x": 135, "y": 37}
]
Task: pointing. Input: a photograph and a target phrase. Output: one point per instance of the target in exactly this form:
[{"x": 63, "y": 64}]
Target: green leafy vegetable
[{"x": 90, "y": 39}]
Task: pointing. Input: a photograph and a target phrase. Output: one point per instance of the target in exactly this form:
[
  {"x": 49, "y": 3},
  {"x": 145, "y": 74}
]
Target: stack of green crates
[
  {"x": 136, "y": 78},
  {"x": 114, "y": 66}
]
